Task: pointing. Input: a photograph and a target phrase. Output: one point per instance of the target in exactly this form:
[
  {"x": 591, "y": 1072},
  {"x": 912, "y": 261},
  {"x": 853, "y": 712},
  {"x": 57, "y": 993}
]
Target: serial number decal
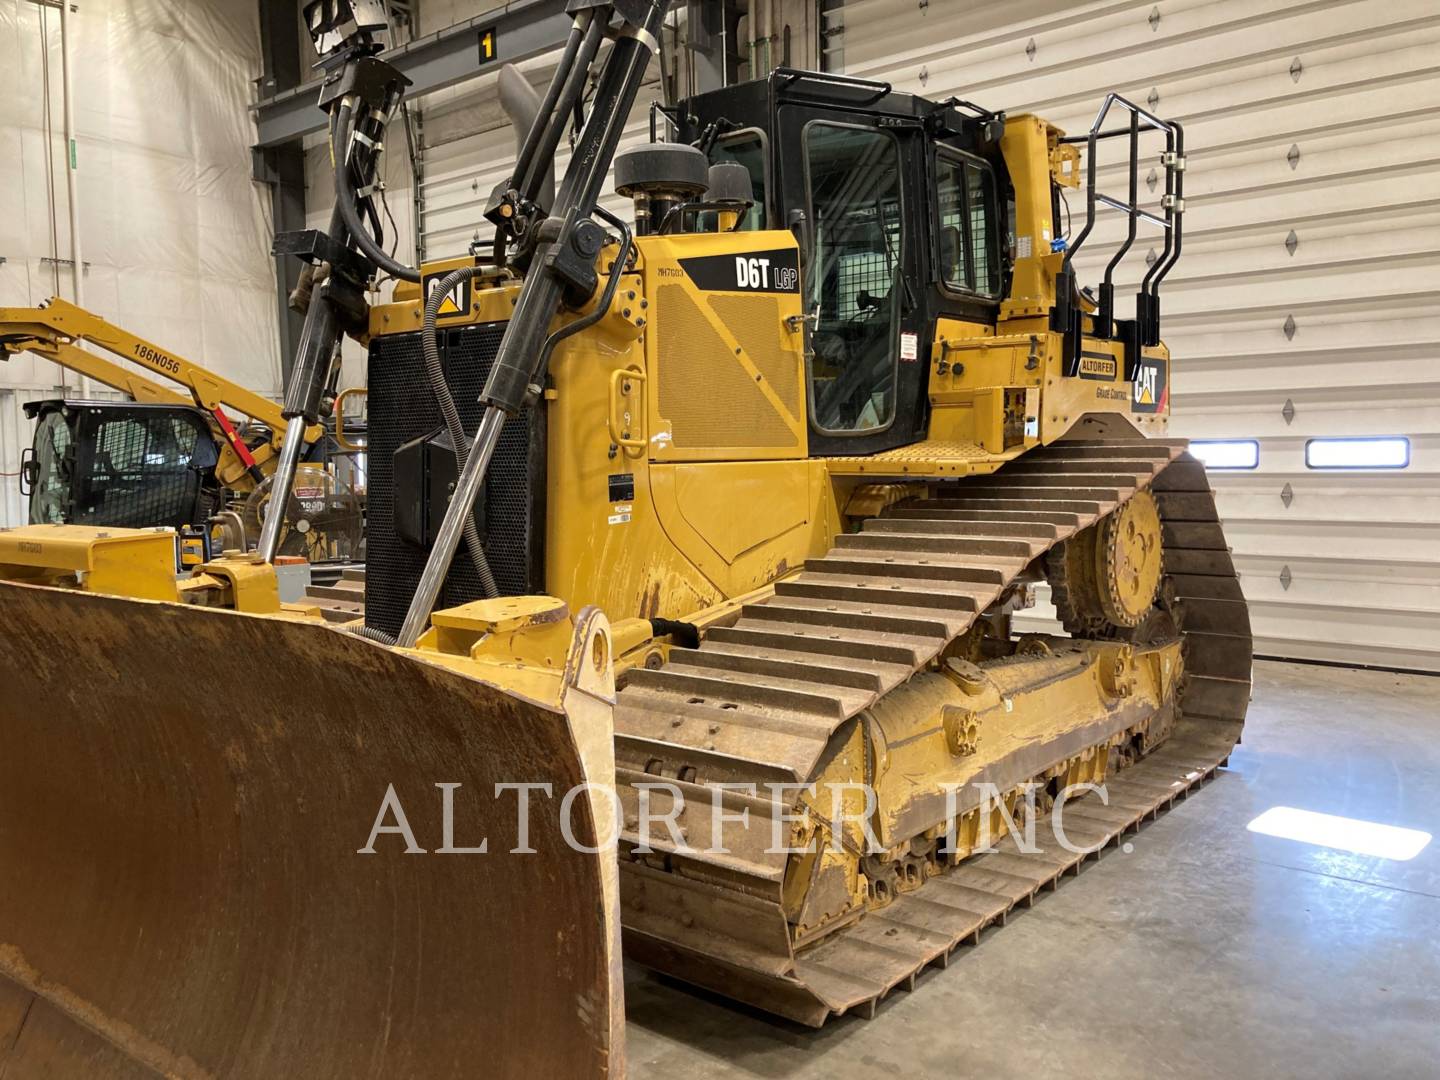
[
  {"x": 156, "y": 358},
  {"x": 622, "y": 489}
]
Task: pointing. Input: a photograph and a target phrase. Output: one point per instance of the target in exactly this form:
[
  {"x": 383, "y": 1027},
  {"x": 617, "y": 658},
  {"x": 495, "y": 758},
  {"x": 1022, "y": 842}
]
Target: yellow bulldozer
[{"x": 748, "y": 494}]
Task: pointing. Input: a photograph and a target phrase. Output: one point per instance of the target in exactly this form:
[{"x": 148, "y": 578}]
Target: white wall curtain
[{"x": 176, "y": 235}]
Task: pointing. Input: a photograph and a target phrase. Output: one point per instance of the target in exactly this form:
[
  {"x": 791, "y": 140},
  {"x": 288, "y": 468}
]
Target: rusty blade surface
[{"x": 182, "y": 796}]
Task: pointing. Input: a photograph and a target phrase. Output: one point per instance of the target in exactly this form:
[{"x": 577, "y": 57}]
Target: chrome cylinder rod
[
  {"x": 280, "y": 486},
  {"x": 462, "y": 504}
]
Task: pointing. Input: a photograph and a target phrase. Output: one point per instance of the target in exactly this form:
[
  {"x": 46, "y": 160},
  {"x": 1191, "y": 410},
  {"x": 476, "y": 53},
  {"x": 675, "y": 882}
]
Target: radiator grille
[{"x": 401, "y": 408}]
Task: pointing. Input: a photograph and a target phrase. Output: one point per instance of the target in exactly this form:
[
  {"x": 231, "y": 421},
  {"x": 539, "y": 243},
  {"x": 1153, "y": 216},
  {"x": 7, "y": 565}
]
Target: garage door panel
[
  {"x": 1263, "y": 182},
  {"x": 1092, "y": 51},
  {"x": 1343, "y": 110},
  {"x": 1331, "y": 494},
  {"x": 1319, "y": 252},
  {"x": 1282, "y": 372},
  {"x": 1392, "y": 541},
  {"x": 1253, "y": 238},
  {"x": 1232, "y": 232},
  {"x": 1319, "y": 582},
  {"x": 1368, "y": 631},
  {"x": 1308, "y": 289},
  {"x": 469, "y": 161},
  {"x": 1344, "y": 324},
  {"x": 1244, "y": 88},
  {"x": 1356, "y": 413}
]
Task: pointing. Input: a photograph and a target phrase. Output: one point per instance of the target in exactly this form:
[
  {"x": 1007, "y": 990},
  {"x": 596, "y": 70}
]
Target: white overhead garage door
[{"x": 1307, "y": 303}]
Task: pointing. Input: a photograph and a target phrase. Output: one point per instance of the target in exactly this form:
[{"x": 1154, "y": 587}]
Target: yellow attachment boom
[{"x": 54, "y": 331}]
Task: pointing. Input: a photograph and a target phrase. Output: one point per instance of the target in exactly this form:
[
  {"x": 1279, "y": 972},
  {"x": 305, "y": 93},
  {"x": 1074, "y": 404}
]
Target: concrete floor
[{"x": 1206, "y": 951}]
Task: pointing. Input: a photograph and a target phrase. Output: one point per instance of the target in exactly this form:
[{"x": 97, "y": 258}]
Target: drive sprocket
[{"x": 1105, "y": 577}]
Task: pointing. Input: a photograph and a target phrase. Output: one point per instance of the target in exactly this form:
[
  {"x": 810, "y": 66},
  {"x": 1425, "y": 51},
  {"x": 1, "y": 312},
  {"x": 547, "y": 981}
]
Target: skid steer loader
[
  {"x": 748, "y": 493},
  {"x": 171, "y": 456}
]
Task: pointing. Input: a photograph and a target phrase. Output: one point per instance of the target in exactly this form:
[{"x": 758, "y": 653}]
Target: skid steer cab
[
  {"x": 144, "y": 465},
  {"x": 125, "y": 464}
]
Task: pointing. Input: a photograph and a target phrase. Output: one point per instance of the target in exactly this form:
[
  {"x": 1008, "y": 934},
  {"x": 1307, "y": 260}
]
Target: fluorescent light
[
  {"x": 1227, "y": 453},
  {"x": 1341, "y": 833},
  {"x": 1387, "y": 453}
]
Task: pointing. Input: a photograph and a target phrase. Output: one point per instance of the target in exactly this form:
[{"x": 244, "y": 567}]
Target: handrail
[
  {"x": 339, "y": 410},
  {"x": 791, "y": 76},
  {"x": 1146, "y": 325}
]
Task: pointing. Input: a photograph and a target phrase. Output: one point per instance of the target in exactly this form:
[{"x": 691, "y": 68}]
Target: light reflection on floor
[{"x": 1341, "y": 833}]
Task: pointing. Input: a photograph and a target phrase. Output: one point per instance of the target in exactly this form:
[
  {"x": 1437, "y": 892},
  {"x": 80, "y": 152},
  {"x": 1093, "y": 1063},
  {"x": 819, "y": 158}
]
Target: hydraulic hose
[
  {"x": 435, "y": 373},
  {"x": 345, "y": 201},
  {"x": 375, "y": 635}
]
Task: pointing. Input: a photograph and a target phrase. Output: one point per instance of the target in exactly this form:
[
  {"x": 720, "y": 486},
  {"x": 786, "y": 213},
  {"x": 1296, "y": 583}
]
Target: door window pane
[
  {"x": 965, "y": 191},
  {"x": 950, "y": 190},
  {"x": 980, "y": 205},
  {"x": 854, "y": 280},
  {"x": 53, "y": 462}
]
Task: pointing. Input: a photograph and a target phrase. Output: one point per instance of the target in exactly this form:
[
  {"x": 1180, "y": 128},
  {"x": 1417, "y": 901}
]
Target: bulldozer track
[{"x": 759, "y": 701}]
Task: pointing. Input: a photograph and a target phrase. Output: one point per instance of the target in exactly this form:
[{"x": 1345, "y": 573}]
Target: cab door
[{"x": 854, "y": 180}]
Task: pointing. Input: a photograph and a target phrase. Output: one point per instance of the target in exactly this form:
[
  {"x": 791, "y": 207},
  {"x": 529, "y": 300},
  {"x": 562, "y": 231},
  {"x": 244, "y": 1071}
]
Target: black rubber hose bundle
[{"x": 345, "y": 199}]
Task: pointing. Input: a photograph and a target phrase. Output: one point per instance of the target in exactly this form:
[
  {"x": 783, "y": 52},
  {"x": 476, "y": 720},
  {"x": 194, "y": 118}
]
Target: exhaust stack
[{"x": 522, "y": 104}]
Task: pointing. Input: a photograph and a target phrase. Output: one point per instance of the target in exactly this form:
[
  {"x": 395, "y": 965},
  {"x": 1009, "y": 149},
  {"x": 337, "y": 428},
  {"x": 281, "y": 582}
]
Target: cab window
[
  {"x": 854, "y": 284},
  {"x": 969, "y": 256},
  {"x": 53, "y": 464},
  {"x": 141, "y": 472}
]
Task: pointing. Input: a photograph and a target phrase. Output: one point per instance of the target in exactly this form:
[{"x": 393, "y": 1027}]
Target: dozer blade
[{"x": 183, "y": 793}]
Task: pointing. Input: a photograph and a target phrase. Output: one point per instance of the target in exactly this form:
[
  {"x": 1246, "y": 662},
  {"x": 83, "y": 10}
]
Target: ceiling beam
[{"x": 517, "y": 31}]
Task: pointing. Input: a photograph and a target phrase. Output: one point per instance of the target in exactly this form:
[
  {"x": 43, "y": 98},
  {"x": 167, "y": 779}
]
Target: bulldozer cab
[
  {"x": 899, "y": 205},
  {"x": 120, "y": 463}
]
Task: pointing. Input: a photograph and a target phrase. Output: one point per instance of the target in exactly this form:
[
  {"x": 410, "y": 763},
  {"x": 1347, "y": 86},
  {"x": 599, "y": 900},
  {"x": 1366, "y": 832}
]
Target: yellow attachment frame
[
  {"x": 139, "y": 563},
  {"x": 54, "y": 331}
]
